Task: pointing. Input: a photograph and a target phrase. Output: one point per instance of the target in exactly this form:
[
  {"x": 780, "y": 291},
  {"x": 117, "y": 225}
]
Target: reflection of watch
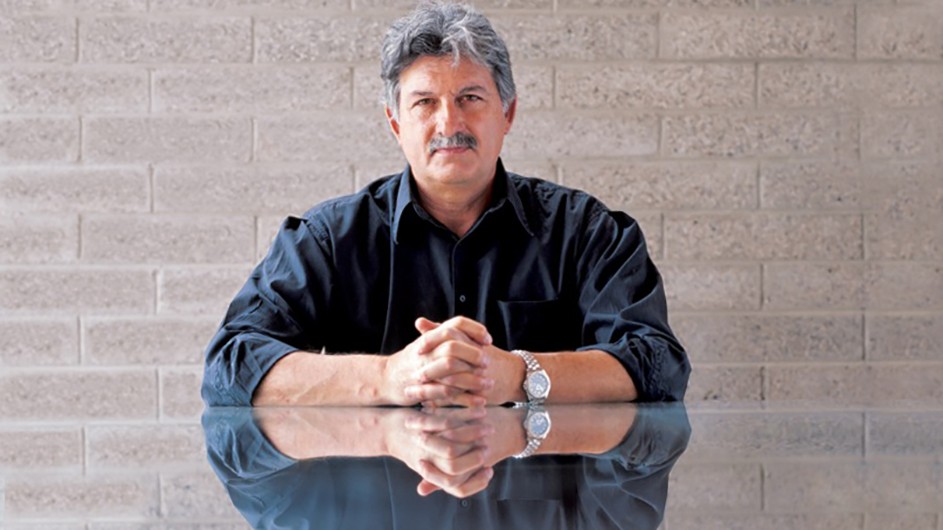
[
  {"x": 537, "y": 427},
  {"x": 536, "y": 381}
]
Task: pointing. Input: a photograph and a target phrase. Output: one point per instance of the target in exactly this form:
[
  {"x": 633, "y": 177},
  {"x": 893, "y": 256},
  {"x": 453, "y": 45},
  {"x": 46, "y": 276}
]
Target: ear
[
  {"x": 394, "y": 125},
  {"x": 509, "y": 115}
]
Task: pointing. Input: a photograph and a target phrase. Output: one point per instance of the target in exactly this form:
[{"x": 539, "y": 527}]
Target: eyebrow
[{"x": 464, "y": 90}]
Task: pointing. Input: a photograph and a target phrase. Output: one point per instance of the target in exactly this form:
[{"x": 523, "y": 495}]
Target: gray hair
[{"x": 442, "y": 29}]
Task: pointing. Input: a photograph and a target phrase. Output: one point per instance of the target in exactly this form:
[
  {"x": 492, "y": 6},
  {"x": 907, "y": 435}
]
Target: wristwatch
[
  {"x": 536, "y": 381},
  {"x": 537, "y": 427}
]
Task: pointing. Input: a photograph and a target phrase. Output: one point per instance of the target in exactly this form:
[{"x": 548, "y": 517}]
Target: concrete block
[
  {"x": 830, "y": 85},
  {"x": 70, "y": 190},
  {"x": 724, "y": 384},
  {"x": 54, "y": 291},
  {"x": 111, "y": 6},
  {"x": 180, "y": 393},
  {"x": 194, "y": 495},
  {"x": 905, "y": 433},
  {"x": 147, "y": 340},
  {"x": 266, "y": 230},
  {"x": 167, "y": 239},
  {"x": 335, "y": 136},
  {"x": 763, "y": 521},
  {"x": 39, "y": 239},
  {"x": 160, "y": 139},
  {"x": 251, "y": 89},
  {"x": 820, "y": 34},
  {"x": 125, "y": 39},
  {"x": 853, "y": 486},
  {"x": 662, "y": 86},
  {"x": 39, "y": 140},
  {"x": 711, "y": 286},
  {"x": 902, "y": 285},
  {"x": 904, "y": 337},
  {"x": 36, "y": 39},
  {"x": 259, "y": 6},
  {"x": 796, "y": 285},
  {"x": 582, "y": 5},
  {"x": 651, "y": 225},
  {"x": 770, "y": 338},
  {"x": 536, "y": 134},
  {"x": 714, "y": 487},
  {"x": 579, "y": 37},
  {"x": 258, "y": 189},
  {"x": 51, "y": 90},
  {"x": 762, "y": 236},
  {"x": 667, "y": 185},
  {"x": 900, "y": 521},
  {"x": 93, "y": 496},
  {"x": 735, "y": 436},
  {"x": 27, "y": 342},
  {"x": 857, "y": 384},
  {"x": 546, "y": 5},
  {"x": 299, "y": 39},
  {"x": 737, "y": 134},
  {"x": 163, "y": 447},
  {"x": 851, "y": 285},
  {"x": 900, "y": 134},
  {"x": 41, "y": 449},
  {"x": 904, "y": 211},
  {"x": 71, "y": 395},
  {"x": 900, "y": 32},
  {"x": 206, "y": 290},
  {"x": 810, "y": 186},
  {"x": 534, "y": 168}
]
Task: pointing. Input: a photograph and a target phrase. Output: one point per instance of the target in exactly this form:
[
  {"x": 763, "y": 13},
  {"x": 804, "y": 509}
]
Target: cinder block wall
[{"x": 781, "y": 156}]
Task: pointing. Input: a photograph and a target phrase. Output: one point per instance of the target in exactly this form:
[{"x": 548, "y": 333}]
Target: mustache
[{"x": 459, "y": 139}]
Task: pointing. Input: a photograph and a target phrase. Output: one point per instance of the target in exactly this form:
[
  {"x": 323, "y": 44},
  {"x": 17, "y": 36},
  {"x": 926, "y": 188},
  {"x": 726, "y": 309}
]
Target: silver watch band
[
  {"x": 529, "y": 360},
  {"x": 532, "y": 445}
]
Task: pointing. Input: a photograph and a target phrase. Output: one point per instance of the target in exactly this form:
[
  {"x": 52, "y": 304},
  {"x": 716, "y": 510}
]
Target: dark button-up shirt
[{"x": 544, "y": 268}]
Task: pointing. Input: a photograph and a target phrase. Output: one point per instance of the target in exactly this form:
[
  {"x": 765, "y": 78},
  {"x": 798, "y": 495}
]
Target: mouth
[{"x": 450, "y": 150}]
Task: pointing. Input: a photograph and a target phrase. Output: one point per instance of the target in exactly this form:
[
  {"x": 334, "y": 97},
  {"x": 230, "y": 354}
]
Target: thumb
[{"x": 424, "y": 325}]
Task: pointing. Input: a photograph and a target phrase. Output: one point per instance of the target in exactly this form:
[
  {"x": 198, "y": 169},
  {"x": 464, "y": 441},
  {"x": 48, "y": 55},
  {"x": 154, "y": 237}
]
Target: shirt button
[
  {"x": 461, "y": 298},
  {"x": 464, "y": 503}
]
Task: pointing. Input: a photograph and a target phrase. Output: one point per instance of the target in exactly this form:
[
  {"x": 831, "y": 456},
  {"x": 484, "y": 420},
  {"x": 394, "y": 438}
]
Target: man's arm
[{"x": 302, "y": 378}]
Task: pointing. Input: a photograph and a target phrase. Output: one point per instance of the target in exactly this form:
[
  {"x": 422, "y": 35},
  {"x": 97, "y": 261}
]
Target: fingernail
[{"x": 488, "y": 338}]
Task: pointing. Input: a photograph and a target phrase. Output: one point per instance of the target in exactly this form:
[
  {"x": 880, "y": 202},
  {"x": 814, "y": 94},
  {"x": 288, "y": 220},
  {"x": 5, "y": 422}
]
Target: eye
[
  {"x": 470, "y": 97},
  {"x": 422, "y": 102}
]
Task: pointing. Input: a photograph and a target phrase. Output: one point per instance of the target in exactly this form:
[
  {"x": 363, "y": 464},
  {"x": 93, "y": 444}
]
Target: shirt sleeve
[
  {"x": 278, "y": 311},
  {"x": 622, "y": 300}
]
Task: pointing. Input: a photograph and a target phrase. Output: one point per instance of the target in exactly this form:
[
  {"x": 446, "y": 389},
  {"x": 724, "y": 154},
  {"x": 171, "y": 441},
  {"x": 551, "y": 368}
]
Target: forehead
[{"x": 442, "y": 73}]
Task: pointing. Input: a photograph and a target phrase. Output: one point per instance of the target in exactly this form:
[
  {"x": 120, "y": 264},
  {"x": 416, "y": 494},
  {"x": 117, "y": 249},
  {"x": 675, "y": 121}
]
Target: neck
[{"x": 457, "y": 209}]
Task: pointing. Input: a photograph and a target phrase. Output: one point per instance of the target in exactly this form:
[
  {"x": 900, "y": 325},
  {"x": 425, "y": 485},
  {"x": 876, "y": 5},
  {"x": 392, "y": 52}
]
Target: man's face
[{"x": 440, "y": 100}]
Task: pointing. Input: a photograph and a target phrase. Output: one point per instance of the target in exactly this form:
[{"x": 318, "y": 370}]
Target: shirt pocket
[{"x": 537, "y": 325}]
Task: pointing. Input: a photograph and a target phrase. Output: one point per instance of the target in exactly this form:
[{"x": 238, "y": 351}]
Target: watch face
[
  {"x": 538, "y": 384},
  {"x": 538, "y": 424}
]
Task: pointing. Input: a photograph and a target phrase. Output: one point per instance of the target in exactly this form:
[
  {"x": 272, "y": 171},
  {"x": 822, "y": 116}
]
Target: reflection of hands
[
  {"x": 455, "y": 449},
  {"x": 445, "y": 365}
]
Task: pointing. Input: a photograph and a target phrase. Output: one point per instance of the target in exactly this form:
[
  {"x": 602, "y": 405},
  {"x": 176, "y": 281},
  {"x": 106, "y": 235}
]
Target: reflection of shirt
[
  {"x": 625, "y": 488},
  {"x": 545, "y": 268}
]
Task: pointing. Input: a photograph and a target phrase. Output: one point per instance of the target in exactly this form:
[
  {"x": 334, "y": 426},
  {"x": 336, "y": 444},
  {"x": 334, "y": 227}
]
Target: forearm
[
  {"x": 321, "y": 432},
  {"x": 302, "y": 378},
  {"x": 588, "y": 429},
  {"x": 586, "y": 377}
]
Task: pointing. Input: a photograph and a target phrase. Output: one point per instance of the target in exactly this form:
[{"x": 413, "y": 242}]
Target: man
[{"x": 434, "y": 286}]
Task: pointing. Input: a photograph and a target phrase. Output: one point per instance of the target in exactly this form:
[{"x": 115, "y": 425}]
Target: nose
[{"x": 448, "y": 119}]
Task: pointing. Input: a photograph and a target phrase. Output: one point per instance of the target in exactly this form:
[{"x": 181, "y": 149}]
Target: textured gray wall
[{"x": 782, "y": 157}]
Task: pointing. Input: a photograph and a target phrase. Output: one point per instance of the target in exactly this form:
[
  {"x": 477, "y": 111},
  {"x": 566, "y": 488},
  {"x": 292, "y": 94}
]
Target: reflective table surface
[{"x": 747, "y": 465}]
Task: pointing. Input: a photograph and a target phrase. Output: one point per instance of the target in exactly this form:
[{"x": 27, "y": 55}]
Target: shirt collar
[{"x": 504, "y": 190}]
